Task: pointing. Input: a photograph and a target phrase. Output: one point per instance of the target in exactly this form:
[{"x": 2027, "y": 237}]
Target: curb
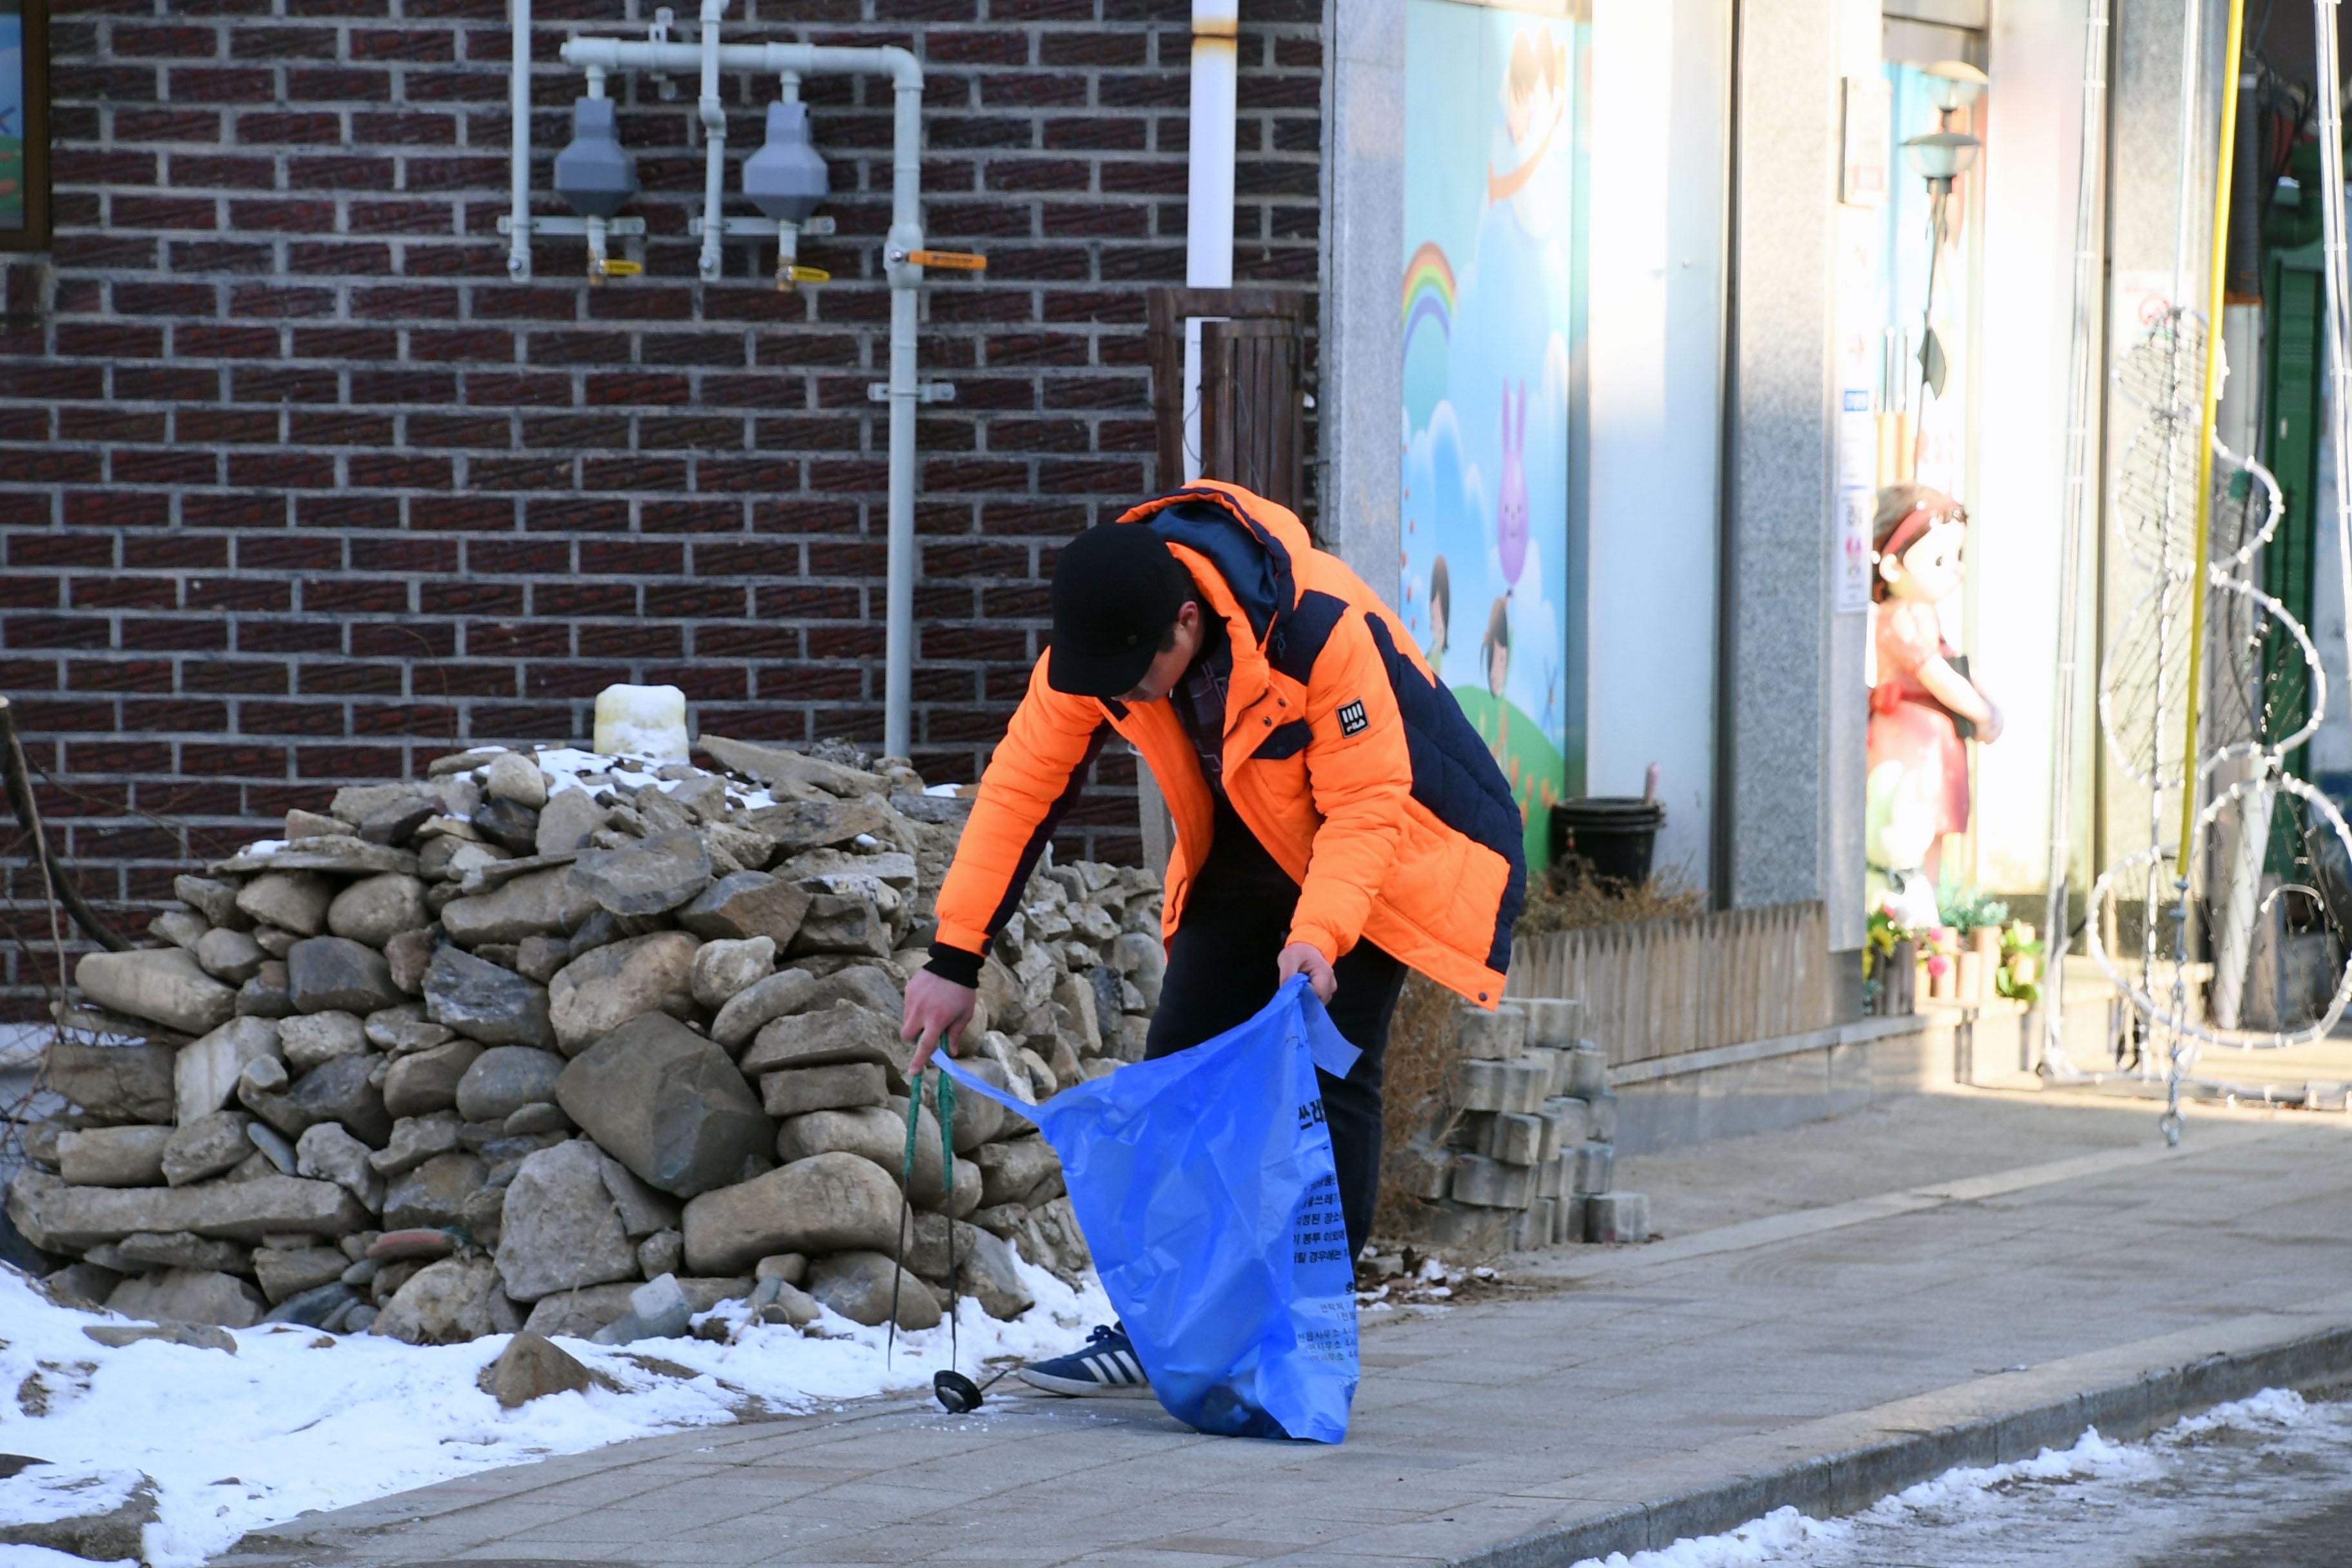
[{"x": 1851, "y": 1461}]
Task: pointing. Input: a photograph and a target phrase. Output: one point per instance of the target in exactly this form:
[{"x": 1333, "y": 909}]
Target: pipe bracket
[{"x": 925, "y": 391}]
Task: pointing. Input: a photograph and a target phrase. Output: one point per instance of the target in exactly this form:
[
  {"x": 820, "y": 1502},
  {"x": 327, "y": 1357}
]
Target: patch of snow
[
  {"x": 263, "y": 847},
  {"x": 945, "y": 791},
  {"x": 43, "y": 1494},
  {"x": 298, "y": 1420},
  {"x": 2270, "y": 1409}
]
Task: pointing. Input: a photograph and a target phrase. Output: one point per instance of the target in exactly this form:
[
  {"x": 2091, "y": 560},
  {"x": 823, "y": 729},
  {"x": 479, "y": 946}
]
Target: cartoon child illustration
[
  {"x": 1495, "y": 653},
  {"x": 1511, "y": 500},
  {"x": 1441, "y": 610}
]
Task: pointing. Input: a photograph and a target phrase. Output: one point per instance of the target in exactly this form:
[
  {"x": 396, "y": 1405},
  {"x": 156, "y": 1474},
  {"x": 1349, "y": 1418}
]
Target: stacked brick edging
[
  {"x": 294, "y": 482},
  {"x": 1524, "y": 1152}
]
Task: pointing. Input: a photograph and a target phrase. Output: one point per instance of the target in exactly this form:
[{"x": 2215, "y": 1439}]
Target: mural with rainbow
[{"x": 1491, "y": 318}]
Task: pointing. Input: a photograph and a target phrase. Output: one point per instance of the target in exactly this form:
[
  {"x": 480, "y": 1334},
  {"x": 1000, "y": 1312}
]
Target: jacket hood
[{"x": 1252, "y": 549}]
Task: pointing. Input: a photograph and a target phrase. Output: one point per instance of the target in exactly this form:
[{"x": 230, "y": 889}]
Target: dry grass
[{"x": 1554, "y": 905}]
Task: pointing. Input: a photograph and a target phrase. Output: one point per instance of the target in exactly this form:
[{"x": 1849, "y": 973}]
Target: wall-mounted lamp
[
  {"x": 1953, "y": 85},
  {"x": 1939, "y": 157}
]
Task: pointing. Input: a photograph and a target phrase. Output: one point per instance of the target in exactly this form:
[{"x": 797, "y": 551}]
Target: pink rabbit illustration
[{"x": 1511, "y": 502}]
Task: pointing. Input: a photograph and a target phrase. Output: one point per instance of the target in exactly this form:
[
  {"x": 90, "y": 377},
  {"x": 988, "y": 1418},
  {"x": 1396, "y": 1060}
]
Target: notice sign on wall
[{"x": 1491, "y": 276}]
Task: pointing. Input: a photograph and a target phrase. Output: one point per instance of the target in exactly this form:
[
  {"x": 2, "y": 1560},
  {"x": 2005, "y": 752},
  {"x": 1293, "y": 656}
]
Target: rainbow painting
[{"x": 1428, "y": 290}]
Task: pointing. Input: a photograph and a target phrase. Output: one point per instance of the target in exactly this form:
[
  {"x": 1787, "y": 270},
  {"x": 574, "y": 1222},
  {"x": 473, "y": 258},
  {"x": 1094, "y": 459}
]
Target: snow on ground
[
  {"x": 298, "y": 1420},
  {"x": 1785, "y": 1535}
]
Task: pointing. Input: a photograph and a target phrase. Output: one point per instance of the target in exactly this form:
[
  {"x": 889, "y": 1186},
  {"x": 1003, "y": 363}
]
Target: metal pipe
[
  {"x": 519, "y": 153},
  {"x": 714, "y": 142},
  {"x": 905, "y": 277},
  {"x": 2336, "y": 272},
  {"x": 898, "y": 594},
  {"x": 2081, "y": 402}
]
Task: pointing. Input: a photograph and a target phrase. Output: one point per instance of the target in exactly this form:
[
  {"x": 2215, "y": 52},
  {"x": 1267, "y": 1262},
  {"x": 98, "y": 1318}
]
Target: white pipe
[
  {"x": 906, "y": 74},
  {"x": 1209, "y": 193},
  {"x": 2337, "y": 273},
  {"x": 2082, "y": 410},
  {"x": 714, "y": 141},
  {"x": 519, "y": 155},
  {"x": 906, "y": 237}
]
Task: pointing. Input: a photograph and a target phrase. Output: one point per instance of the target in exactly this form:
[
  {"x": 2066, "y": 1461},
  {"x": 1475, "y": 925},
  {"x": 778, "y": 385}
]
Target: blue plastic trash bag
[{"x": 1204, "y": 1184}]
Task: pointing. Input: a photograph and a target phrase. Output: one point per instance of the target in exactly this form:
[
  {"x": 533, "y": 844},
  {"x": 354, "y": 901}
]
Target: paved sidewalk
[{"x": 1948, "y": 1302}]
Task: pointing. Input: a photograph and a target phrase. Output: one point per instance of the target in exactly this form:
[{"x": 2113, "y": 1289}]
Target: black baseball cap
[{"x": 1116, "y": 590}]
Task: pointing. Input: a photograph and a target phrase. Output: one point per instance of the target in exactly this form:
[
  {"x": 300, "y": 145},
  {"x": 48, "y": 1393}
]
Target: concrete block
[
  {"x": 1551, "y": 1021},
  {"x": 1489, "y": 1183},
  {"x": 1572, "y": 1115},
  {"x": 1483, "y": 1087},
  {"x": 1531, "y": 1227},
  {"x": 1556, "y": 1064},
  {"x": 1588, "y": 1070},
  {"x": 1617, "y": 1218},
  {"x": 1548, "y": 1142},
  {"x": 1474, "y": 1130},
  {"x": 1603, "y": 1111},
  {"x": 1570, "y": 1217},
  {"x": 1496, "y": 1037},
  {"x": 1517, "y": 1139},
  {"x": 1595, "y": 1169},
  {"x": 1456, "y": 1227},
  {"x": 1526, "y": 1083},
  {"x": 1549, "y": 1180},
  {"x": 1431, "y": 1170}
]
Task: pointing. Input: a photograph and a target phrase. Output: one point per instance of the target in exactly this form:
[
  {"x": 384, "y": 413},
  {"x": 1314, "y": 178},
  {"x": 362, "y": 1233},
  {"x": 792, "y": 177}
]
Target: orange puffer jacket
[{"x": 1342, "y": 753}]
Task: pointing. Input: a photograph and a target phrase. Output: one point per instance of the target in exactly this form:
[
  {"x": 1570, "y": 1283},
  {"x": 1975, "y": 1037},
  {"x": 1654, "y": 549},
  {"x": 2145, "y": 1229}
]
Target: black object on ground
[
  {"x": 1612, "y": 835},
  {"x": 958, "y": 1394}
]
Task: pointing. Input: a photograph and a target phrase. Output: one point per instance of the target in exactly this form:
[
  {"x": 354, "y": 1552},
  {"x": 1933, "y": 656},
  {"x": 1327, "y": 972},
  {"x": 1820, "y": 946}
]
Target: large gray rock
[
  {"x": 723, "y": 969},
  {"x": 844, "y": 1032},
  {"x": 291, "y": 900},
  {"x": 504, "y": 1080},
  {"x": 339, "y": 1091},
  {"x": 760, "y": 1003},
  {"x": 207, "y": 1147},
  {"x": 667, "y": 1104},
  {"x": 447, "y": 1303},
  {"x": 425, "y": 1081},
  {"x": 538, "y": 903},
  {"x": 215, "y": 901},
  {"x": 823, "y": 1204},
  {"x": 515, "y": 777},
  {"x": 842, "y": 1087},
  {"x": 644, "y": 1211},
  {"x": 745, "y": 904},
  {"x": 232, "y": 957},
  {"x": 986, "y": 1271},
  {"x": 567, "y": 821},
  {"x": 113, "y": 1156},
  {"x": 532, "y": 1367},
  {"x": 862, "y": 983},
  {"x": 563, "y": 1229},
  {"x": 1019, "y": 1171},
  {"x": 83, "y": 1510},
  {"x": 188, "y": 1296},
  {"x": 600, "y": 991},
  {"x": 416, "y": 1140},
  {"x": 312, "y": 1039},
  {"x": 847, "y": 925},
  {"x": 486, "y": 1003},
  {"x": 285, "y": 1273},
  {"x": 579, "y": 1314},
  {"x": 334, "y": 974},
  {"x": 379, "y": 908},
  {"x": 864, "y": 1285},
  {"x": 880, "y": 1134},
  {"x": 114, "y": 1083},
  {"x": 181, "y": 1249},
  {"x": 327, "y": 1152},
  {"x": 163, "y": 985},
  {"x": 803, "y": 825},
  {"x": 335, "y": 854},
  {"x": 648, "y": 877},
  {"x": 433, "y": 1196},
  {"x": 205, "y": 1076}
]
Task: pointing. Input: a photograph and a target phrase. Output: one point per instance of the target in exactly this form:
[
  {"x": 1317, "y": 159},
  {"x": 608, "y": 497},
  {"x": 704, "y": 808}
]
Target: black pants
[{"x": 1220, "y": 972}]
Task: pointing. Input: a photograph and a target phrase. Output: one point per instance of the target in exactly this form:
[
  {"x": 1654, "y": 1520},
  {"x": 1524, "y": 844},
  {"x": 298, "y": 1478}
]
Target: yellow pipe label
[
  {"x": 613, "y": 268},
  {"x": 951, "y": 260},
  {"x": 808, "y": 274}
]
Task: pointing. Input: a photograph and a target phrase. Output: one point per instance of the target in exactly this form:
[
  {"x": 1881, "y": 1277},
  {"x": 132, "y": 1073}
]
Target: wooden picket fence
[{"x": 1666, "y": 987}]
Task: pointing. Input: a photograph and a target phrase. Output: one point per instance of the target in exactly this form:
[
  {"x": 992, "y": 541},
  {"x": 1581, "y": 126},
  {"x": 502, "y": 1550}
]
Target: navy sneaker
[{"x": 1106, "y": 1368}]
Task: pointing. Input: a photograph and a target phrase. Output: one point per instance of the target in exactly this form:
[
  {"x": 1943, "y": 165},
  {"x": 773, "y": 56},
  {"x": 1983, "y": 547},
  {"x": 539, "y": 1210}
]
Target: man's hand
[
  {"x": 936, "y": 1009},
  {"x": 1298, "y": 958}
]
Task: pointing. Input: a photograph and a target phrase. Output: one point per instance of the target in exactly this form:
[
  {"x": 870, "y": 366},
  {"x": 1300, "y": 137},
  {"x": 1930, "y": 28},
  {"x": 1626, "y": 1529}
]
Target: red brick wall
[{"x": 296, "y": 489}]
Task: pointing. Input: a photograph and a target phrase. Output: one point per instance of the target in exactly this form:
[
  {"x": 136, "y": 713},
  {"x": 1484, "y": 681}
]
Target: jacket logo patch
[{"x": 1352, "y": 721}]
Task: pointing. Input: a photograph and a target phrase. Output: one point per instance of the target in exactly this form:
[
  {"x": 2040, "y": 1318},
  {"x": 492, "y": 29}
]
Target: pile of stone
[
  {"x": 1522, "y": 1152},
  {"x": 577, "y": 1043}
]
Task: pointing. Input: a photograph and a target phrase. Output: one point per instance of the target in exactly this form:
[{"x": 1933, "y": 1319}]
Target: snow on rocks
[{"x": 589, "y": 1022}]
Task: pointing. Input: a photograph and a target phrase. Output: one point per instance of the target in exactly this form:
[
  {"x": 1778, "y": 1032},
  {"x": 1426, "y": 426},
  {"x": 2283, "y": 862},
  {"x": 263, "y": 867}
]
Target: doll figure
[
  {"x": 1441, "y": 611},
  {"x": 1918, "y": 783}
]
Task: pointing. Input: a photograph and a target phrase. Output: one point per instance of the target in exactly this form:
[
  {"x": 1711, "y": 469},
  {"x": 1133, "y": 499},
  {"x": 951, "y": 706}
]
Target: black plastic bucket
[{"x": 1612, "y": 835}]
